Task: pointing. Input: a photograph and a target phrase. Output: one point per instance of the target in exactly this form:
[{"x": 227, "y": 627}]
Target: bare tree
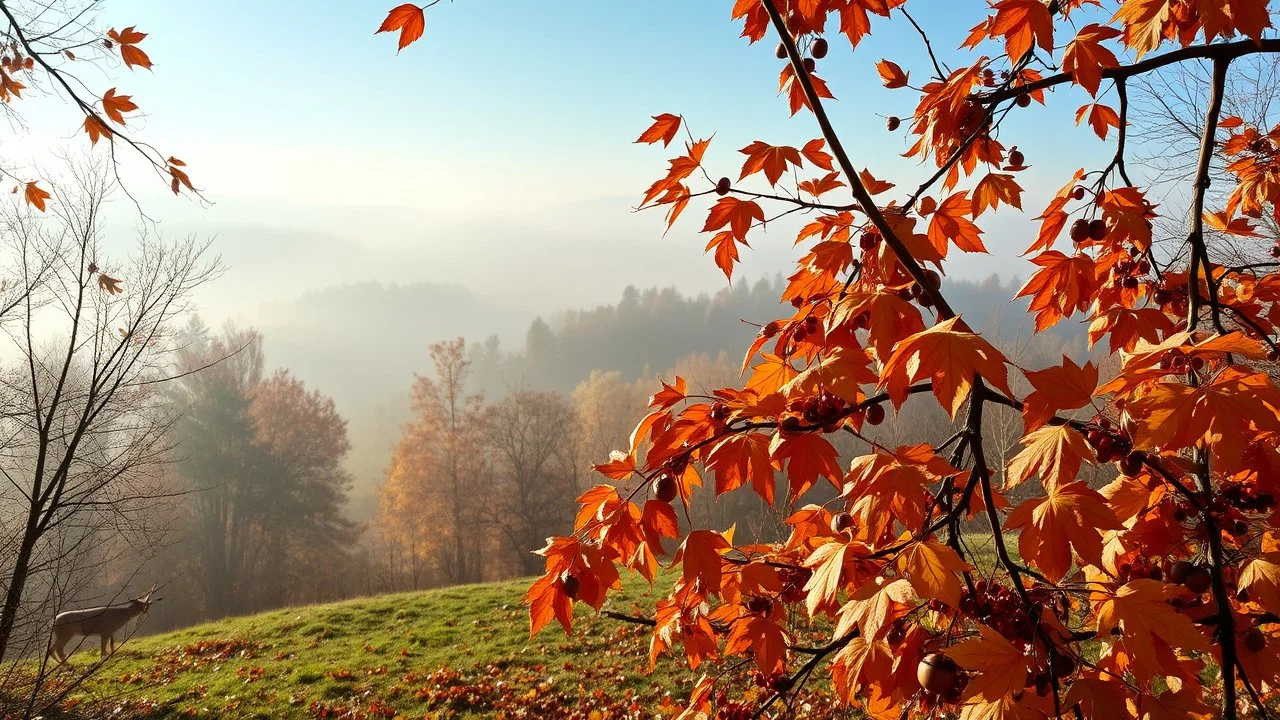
[{"x": 85, "y": 430}]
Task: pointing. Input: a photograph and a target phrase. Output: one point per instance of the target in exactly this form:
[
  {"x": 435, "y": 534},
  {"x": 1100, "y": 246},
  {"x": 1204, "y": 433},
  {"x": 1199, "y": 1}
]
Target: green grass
[{"x": 461, "y": 652}]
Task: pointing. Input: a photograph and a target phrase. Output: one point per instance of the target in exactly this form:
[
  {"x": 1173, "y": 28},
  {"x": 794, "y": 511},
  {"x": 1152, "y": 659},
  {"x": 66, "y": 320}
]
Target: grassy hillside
[{"x": 462, "y": 652}]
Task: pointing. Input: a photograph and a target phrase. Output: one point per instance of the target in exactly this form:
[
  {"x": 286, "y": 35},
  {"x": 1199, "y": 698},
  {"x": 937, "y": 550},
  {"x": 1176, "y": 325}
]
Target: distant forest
[{"x": 646, "y": 333}]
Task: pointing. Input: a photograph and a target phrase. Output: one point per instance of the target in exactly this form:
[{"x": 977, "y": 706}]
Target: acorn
[{"x": 937, "y": 673}]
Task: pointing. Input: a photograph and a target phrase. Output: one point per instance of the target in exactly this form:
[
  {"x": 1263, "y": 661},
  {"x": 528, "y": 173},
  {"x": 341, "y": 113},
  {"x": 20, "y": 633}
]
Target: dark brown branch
[
  {"x": 634, "y": 619},
  {"x": 1224, "y": 51},
  {"x": 1199, "y": 253},
  {"x": 859, "y": 190}
]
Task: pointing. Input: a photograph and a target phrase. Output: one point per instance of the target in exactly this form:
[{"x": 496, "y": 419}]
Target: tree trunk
[{"x": 18, "y": 581}]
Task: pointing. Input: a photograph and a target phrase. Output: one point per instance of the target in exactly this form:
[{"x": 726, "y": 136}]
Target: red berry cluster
[
  {"x": 777, "y": 682},
  {"x": 989, "y": 77},
  {"x": 870, "y": 239},
  {"x": 1246, "y": 497},
  {"x": 1128, "y": 273},
  {"x": 1176, "y": 361},
  {"x": 822, "y": 410},
  {"x": 1083, "y": 231},
  {"x": 999, "y": 608},
  {"x": 1110, "y": 443},
  {"x": 1231, "y": 504},
  {"x": 1142, "y": 568},
  {"x": 759, "y": 605},
  {"x": 732, "y": 710},
  {"x": 810, "y": 325},
  {"x": 1170, "y": 298}
]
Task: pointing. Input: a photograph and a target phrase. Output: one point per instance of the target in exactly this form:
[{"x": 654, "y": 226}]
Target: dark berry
[
  {"x": 875, "y": 414},
  {"x": 1097, "y": 230},
  {"x": 569, "y": 583},
  {"x": 841, "y": 521},
  {"x": 722, "y": 187},
  {"x": 819, "y": 48},
  {"x": 665, "y": 488},
  {"x": 781, "y": 51},
  {"x": 893, "y": 123},
  {"x": 1023, "y": 100}
]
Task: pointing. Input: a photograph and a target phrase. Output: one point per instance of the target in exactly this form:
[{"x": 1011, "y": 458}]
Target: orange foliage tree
[{"x": 1121, "y": 597}]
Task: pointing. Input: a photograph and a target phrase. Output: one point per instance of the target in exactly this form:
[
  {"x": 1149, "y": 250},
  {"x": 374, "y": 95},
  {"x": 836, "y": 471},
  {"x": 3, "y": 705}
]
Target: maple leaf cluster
[{"x": 1121, "y": 595}]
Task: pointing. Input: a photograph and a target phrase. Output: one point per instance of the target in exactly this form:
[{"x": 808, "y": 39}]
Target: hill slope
[{"x": 461, "y": 652}]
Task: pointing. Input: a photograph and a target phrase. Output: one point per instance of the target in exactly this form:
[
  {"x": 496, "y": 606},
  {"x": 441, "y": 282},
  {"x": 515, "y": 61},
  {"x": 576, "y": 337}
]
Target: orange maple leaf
[
  {"x": 994, "y": 189},
  {"x": 828, "y": 564},
  {"x": 700, "y": 562},
  {"x": 664, "y": 129},
  {"x": 763, "y": 638},
  {"x": 1062, "y": 387},
  {"x": 742, "y": 459},
  {"x": 1139, "y": 609},
  {"x": 115, "y": 106},
  {"x": 825, "y": 184},
  {"x": 999, "y": 668},
  {"x": 128, "y": 40},
  {"x": 932, "y": 568},
  {"x": 1086, "y": 58},
  {"x": 35, "y": 196},
  {"x": 1101, "y": 118},
  {"x": 1053, "y": 452},
  {"x": 409, "y": 19},
  {"x": 1062, "y": 285},
  {"x": 1070, "y": 516},
  {"x": 950, "y": 223},
  {"x": 773, "y": 160},
  {"x": 1020, "y": 23},
  {"x": 807, "y": 457},
  {"x": 96, "y": 129},
  {"x": 1173, "y": 416},
  {"x": 951, "y": 358},
  {"x": 892, "y": 74},
  {"x": 814, "y": 153},
  {"x": 735, "y": 213}
]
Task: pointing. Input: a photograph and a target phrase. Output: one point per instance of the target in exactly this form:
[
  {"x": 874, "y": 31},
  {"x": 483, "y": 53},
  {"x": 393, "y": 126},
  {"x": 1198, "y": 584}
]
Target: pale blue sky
[{"x": 511, "y": 112}]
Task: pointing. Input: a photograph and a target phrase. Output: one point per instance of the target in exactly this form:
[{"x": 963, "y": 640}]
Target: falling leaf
[
  {"x": 35, "y": 196},
  {"x": 109, "y": 284}
]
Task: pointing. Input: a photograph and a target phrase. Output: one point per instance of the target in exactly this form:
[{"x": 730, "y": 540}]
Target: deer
[{"x": 103, "y": 621}]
